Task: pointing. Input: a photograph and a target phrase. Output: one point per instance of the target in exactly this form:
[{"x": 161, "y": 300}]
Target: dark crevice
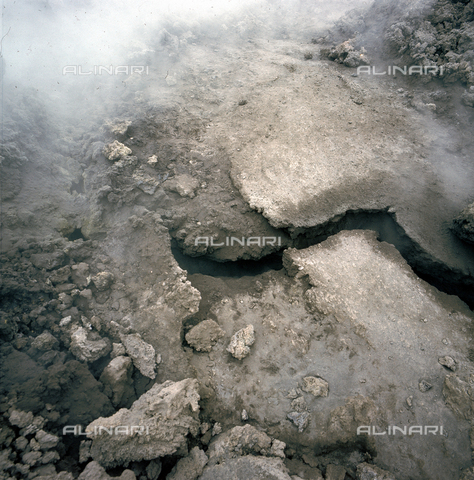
[
  {"x": 76, "y": 234},
  {"x": 382, "y": 222},
  {"x": 77, "y": 187}
]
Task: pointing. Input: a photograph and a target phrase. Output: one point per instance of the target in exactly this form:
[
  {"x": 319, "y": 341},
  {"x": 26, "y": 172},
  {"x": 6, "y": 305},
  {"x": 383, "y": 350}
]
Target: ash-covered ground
[{"x": 237, "y": 241}]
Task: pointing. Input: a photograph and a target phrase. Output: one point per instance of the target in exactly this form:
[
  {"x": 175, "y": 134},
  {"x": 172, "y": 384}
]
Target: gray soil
[{"x": 307, "y": 357}]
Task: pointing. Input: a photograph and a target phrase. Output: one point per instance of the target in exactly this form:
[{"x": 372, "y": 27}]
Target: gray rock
[
  {"x": 45, "y": 341},
  {"x": 316, "y": 386},
  {"x": 153, "y": 469},
  {"x": 46, "y": 440},
  {"x": 103, "y": 281},
  {"x": 21, "y": 419},
  {"x": 168, "y": 413},
  {"x": 184, "y": 185},
  {"x": 300, "y": 419},
  {"x": 189, "y": 467},
  {"x": 80, "y": 274},
  {"x": 31, "y": 458},
  {"x": 142, "y": 354},
  {"x": 204, "y": 335},
  {"x": 335, "y": 472},
  {"x": 448, "y": 362},
  {"x": 241, "y": 341},
  {"x": 467, "y": 474},
  {"x": 248, "y": 467},
  {"x": 424, "y": 386},
  {"x": 49, "y": 261},
  {"x": 117, "y": 379},
  {"x": 365, "y": 471},
  {"x": 241, "y": 441},
  {"x": 89, "y": 346},
  {"x": 21, "y": 443},
  {"x": 117, "y": 350},
  {"x": 85, "y": 451},
  {"x": 50, "y": 457}
]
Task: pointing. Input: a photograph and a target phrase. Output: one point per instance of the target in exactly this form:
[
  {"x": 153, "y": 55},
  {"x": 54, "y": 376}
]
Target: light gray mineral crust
[
  {"x": 241, "y": 341},
  {"x": 316, "y": 386},
  {"x": 204, "y": 335},
  {"x": 168, "y": 413},
  {"x": 142, "y": 353}
]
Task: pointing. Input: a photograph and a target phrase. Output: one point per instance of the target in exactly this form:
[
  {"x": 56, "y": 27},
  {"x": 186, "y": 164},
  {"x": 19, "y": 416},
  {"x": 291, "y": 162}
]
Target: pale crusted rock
[
  {"x": 142, "y": 354},
  {"x": 241, "y": 341},
  {"x": 167, "y": 413},
  {"x": 204, "y": 335},
  {"x": 103, "y": 280},
  {"x": 116, "y": 378},
  {"x": 21, "y": 419},
  {"x": 46, "y": 440},
  {"x": 316, "y": 386},
  {"x": 89, "y": 346},
  {"x": 45, "y": 341},
  {"x": 115, "y": 151}
]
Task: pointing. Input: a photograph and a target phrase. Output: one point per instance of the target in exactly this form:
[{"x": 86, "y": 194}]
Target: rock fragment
[
  {"x": 103, "y": 280},
  {"x": 94, "y": 471},
  {"x": 448, "y": 362},
  {"x": 184, "y": 185},
  {"x": 365, "y": 471},
  {"x": 424, "y": 386},
  {"x": 204, "y": 335},
  {"x": 300, "y": 419},
  {"x": 89, "y": 346},
  {"x": 335, "y": 472},
  {"x": 142, "y": 354},
  {"x": 458, "y": 396},
  {"x": 189, "y": 467},
  {"x": 316, "y": 386},
  {"x": 116, "y": 378},
  {"x": 168, "y": 413},
  {"x": 115, "y": 151},
  {"x": 241, "y": 341}
]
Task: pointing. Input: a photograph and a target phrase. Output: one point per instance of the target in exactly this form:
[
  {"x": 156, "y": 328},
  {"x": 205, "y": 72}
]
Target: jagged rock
[
  {"x": 21, "y": 419},
  {"x": 45, "y": 341},
  {"x": 365, "y": 471},
  {"x": 184, "y": 184},
  {"x": 299, "y": 405},
  {"x": 115, "y": 151},
  {"x": 463, "y": 224},
  {"x": 448, "y": 362},
  {"x": 424, "y": 386},
  {"x": 103, "y": 280},
  {"x": 46, "y": 440},
  {"x": 300, "y": 419},
  {"x": 94, "y": 471},
  {"x": 335, "y": 472},
  {"x": 21, "y": 443},
  {"x": 204, "y": 335},
  {"x": 89, "y": 346},
  {"x": 31, "y": 458},
  {"x": 80, "y": 274},
  {"x": 169, "y": 412},
  {"x": 142, "y": 354},
  {"x": 248, "y": 467},
  {"x": 189, "y": 467},
  {"x": 50, "y": 457},
  {"x": 458, "y": 396},
  {"x": 316, "y": 386},
  {"x": 85, "y": 451},
  {"x": 243, "y": 441},
  {"x": 241, "y": 341},
  {"x": 116, "y": 378}
]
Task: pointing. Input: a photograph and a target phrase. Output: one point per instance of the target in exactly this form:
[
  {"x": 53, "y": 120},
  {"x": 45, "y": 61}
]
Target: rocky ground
[{"x": 139, "y": 341}]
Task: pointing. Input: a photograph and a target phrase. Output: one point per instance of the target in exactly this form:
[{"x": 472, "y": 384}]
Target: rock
[
  {"x": 467, "y": 474},
  {"x": 241, "y": 341},
  {"x": 103, "y": 281},
  {"x": 46, "y": 441},
  {"x": 80, "y": 274},
  {"x": 448, "y": 362},
  {"x": 184, "y": 184},
  {"x": 463, "y": 224},
  {"x": 248, "y": 467},
  {"x": 244, "y": 415},
  {"x": 116, "y": 151},
  {"x": 241, "y": 441},
  {"x": 117, "y": 379},
  {"x": 89, "y": 346},
  {"x": 94, "y": 471},
  {"x": 31, "y": 458},
  {"x": 468, "y": 98},
  {"x": 166, "y": 414},
  {"x": 142, "y": 354},
  {"x": 366, "y": 471},
  {"x": 153, "y": 470},
  {"x": 189, "y": 467},
  {"x": 204, "y": 335},
  {"x": 45, "y": 341},
  {"x": 299, "y": 405},
  {"x": 316, "y": 386},
  {"x": 458, "y": 396},
  {"x": 424, "y": 386},
  {"x": 21, "y": 443},
  {"x": 300, "y": 419},
  {"x": 85, "y": 450},
  {"x": 49, "y": 261},
  {"x": 50, "y": 457},
  {"x": 335, "y": 472},
  {"x": 117, "y": 350},
  {"x": 21, "y": 419},
  {"x": 216, "y": 429}
]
